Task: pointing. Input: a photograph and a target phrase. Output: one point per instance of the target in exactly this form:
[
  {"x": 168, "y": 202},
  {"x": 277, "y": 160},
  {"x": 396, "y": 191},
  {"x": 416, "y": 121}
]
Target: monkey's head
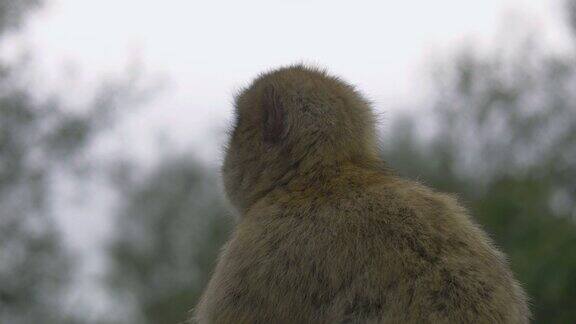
[{"x": 294, "y": 122}]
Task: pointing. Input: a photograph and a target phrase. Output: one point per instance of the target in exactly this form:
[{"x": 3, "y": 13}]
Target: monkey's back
[{"x": 361, "y": 248}]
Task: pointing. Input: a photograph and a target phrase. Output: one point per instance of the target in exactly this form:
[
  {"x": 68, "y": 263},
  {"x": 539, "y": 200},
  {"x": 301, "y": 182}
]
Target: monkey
[{"x": 327, "y": 233}]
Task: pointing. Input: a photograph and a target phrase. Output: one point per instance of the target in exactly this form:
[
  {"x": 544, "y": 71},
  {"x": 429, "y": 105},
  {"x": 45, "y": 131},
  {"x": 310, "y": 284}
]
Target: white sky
[{"x": 208, "y": 49}]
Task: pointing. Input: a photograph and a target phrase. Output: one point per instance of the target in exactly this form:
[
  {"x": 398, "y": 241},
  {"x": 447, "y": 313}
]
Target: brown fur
[{"x": 327, "y": 235}]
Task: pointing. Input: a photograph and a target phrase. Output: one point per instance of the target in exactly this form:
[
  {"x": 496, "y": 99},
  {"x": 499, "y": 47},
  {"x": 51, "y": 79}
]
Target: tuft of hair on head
[
  {"x": 292, "y": 121},
  {"x": 301, "y": 106}
]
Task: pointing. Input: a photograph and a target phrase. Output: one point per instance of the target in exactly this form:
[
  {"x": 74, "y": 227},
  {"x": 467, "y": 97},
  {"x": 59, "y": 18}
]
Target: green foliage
[
  {"x": 33, "y": 266},
  {"x": 41, "y": 144},
  {"x": 571, "y": 14},
  {"x": 12, "y": 12},
  {"x": 169, "y": 232}
]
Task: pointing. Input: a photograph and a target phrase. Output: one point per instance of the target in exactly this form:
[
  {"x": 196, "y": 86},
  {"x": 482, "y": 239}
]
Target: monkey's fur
[{"x": 328, "y": 235}]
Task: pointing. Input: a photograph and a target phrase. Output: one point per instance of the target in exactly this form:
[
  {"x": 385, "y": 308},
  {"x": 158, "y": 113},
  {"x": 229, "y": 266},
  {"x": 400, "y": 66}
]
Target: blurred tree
[
  {"x": 12, "y": 12},
  {"x": 170, "y": 229},
  {"x": 32, "y": 264},
  {"x": 571, "y": 11},
  {"x": 505, "y": 141},
  {"x": 41, "y": 142}
]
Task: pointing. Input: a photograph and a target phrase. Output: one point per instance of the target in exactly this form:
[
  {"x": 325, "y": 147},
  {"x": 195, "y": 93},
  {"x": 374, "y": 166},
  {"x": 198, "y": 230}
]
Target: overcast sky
[{"x": 205, "y": 50}]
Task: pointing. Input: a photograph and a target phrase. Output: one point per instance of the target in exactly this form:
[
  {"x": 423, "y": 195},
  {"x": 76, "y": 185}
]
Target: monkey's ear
[{"x": 273, "y": 114}]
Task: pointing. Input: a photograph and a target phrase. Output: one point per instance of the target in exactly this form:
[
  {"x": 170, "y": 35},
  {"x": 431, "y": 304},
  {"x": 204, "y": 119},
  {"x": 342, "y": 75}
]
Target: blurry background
[{"x": 113, "y": 114}]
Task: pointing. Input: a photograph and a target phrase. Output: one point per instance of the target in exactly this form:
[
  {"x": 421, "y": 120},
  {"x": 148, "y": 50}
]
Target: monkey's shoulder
[{"x": 384, "y": 220}]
